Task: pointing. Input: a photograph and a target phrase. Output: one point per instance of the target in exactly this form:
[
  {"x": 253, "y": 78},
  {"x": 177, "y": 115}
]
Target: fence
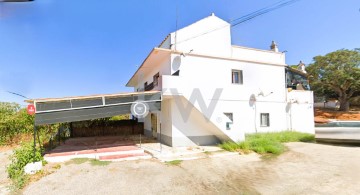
[{"x": 121, "y": 127}]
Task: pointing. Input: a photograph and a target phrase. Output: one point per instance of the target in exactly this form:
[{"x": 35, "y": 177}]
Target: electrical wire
[
  {"x": 18, "y": 94},
  {"x": 262, "y": 11}
]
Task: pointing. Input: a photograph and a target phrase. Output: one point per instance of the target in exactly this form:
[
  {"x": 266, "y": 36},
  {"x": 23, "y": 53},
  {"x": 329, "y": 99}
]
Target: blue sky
[{"x": 56, "y": 48}]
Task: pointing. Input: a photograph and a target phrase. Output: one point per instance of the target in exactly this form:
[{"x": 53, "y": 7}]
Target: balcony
[
  {"x": 149, "y": 87},
  {"x": 168, "y": 84}
]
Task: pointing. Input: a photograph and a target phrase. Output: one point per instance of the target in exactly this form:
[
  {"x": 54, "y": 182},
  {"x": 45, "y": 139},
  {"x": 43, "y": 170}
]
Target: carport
[{"x": 80, "y": 108}]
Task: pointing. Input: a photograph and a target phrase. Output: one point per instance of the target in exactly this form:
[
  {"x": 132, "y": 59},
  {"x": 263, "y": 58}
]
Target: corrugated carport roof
[{"x": 79, "y": 108}]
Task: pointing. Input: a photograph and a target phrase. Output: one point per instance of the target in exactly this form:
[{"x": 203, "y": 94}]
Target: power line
[
  {"x": 262, "y": 11},
  {"x": 259, "y": 10}
]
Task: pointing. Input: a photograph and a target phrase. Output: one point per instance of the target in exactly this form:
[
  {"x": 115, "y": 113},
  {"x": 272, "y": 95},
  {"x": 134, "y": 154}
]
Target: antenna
[{"x": 176, "y": 25}]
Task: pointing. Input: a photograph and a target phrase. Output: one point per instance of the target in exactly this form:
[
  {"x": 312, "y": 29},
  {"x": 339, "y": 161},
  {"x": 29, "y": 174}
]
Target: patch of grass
[
  {"x": 95, "y": 162},
  {"x": 284, "y": 136},
  {"x": 231, "y": 146},
  {"x": 267, "y": 143},
  {"x": 174, "y": 162},
  {"x": 57, "y": 166},
  {"x": 77, "y": 161}
]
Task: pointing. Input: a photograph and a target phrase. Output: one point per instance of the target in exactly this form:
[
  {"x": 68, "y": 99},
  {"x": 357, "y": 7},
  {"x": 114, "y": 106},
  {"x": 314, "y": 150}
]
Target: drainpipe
[
  {"x": 291, "y": 129},
  {"x": 255, "y": 118}
]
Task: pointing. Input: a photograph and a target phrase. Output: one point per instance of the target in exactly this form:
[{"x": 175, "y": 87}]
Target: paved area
[
  {"x": 101, "y": 147},
  {"x": 118, "y": 148},
  {"x": 304, "y": 169},
  {"x": 166, "y": 153},
  {"x": 338, "y": 134}
]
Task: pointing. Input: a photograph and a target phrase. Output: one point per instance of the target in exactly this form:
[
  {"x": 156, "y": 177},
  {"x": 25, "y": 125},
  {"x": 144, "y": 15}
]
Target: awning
[{"x": 70, "y": 109}]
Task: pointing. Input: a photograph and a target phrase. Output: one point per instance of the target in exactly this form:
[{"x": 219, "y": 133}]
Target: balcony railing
[{"x": 149, "y": 87}]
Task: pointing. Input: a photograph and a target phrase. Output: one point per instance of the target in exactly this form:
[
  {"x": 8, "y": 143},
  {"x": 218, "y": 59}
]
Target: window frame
[
  {"x": 265, "y": 123},
  {"x": 228, "y": 114},
  {"x": 240, "y": 77}
]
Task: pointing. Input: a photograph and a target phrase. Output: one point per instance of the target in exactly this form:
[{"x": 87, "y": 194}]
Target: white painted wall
[
  {"x": 207, "y": 68},
  {"x": 166, "y": 120},
  {"x": 301, "y": 111},
  {"x": 207, "y": 74},
  {"x": 210, "y": 36},
  {"x": 257, "y": 55},
  {"x": 188, "y": 126}
]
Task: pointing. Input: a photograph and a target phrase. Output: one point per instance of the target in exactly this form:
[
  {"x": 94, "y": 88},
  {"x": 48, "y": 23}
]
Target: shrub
[{"x": 21, "y": 157}]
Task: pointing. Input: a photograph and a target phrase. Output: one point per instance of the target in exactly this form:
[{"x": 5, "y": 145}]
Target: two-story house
[{"x": 214, "y": 91}]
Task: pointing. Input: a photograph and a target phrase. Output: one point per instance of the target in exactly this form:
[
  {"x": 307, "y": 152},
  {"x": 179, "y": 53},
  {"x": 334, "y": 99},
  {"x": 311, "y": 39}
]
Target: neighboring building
[{"x": 214, "y": 91}]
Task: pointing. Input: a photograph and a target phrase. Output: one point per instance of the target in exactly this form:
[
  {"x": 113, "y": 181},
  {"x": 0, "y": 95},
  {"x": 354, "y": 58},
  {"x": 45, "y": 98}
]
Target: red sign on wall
[{"x": 31, "y": 109}]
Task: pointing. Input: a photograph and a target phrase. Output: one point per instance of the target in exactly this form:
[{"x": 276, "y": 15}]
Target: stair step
[
  {"x": 127, "y": 151},
  {"x": 123, "y": 157},
  {"x": 110, "y": 151}
]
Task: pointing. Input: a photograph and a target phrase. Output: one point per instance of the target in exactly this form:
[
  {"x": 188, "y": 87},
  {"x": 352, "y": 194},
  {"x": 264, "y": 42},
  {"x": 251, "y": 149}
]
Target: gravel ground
[
  {"x": 304, "y": 169},
  {"x": 4, "y": 161}
]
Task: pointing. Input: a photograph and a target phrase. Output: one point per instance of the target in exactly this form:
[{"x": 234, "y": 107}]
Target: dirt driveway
[
  {"x": 304, "y": 169},
  {"x": 4, "y": 161}
]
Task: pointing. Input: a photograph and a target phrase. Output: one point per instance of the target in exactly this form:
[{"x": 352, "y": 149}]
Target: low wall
[{"x": 121, "y": 127}]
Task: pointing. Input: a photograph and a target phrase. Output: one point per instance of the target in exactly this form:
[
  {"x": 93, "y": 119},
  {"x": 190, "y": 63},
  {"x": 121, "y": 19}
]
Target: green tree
[
  {"x": 336, "y": 73},
  {"x": 14, "y": 120}
]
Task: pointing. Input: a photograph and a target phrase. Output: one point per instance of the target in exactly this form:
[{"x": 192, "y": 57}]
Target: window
[
  {"x": 264, "y": 120},
  {"x": 156, "y": 79},
  {"x": 228, "y": 124},
  {"x": 237, "y": 77}
]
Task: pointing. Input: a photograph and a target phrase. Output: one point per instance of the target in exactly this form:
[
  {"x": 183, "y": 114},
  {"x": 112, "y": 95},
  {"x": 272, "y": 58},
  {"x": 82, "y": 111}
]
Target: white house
[{"x": 214, "y": 91}]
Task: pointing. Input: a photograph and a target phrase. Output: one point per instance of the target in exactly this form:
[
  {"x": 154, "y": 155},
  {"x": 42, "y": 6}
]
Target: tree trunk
[{"x": 344, "y": 104}]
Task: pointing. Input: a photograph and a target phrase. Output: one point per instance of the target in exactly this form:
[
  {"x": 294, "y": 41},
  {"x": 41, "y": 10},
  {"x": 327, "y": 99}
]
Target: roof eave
[
  {"x": 142, "y": 64},
  {"x": 129, "y": 83}
]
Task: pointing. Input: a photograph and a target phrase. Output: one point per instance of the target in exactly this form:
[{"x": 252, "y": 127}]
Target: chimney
[
  {"x": 301, "y": 67},
  {"x": 274, "y": 47}
]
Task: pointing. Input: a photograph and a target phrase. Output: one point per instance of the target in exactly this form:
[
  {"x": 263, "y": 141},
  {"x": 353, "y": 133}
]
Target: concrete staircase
[{"x": 218, "y": 119}]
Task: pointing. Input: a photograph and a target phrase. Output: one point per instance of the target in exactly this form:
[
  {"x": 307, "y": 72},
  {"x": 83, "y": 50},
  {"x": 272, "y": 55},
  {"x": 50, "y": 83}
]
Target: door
[{"x": 154, "y": 124}]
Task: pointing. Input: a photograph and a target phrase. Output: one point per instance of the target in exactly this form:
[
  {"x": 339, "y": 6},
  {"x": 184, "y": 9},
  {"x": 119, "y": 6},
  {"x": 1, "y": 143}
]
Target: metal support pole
[
  {"x": 34, "y": 143},
  {"x": 140, "y": 140},
  {"x": 59, "y": 135},
  {"x": 71, "y": 130},
  {"x": 160, "y": 132},
  {"x": 160, "y": 142}
]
